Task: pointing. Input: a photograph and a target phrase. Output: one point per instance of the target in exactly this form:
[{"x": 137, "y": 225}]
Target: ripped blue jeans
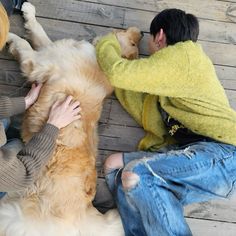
[{"x": 168, "y": 180}]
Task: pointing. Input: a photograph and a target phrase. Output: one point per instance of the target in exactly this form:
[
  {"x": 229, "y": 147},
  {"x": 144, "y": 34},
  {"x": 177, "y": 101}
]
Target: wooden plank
[
  {"x": 56, "y": 30},
  {"x": 221, "y": 54},
  {"x": 113, "y": 113},
  {"x": 211, "y": 228},
  {"x": 220, "y": 210},
  {"x": 221, "y": 32},
  {"x": 227, "y": 76},
  {"x": 119, "y": 138},
  {"x": 210, "y": 9},
  {"x": 115, "y": 17},
  {"x": 232, "y": 98},
  {"x": 78, "y": 11},
  {"x": 209, "y": 30}
]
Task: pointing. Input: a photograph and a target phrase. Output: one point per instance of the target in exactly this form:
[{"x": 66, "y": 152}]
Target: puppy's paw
[
  {"x": 28, "y": 11},
  {"x": 11, "y": 37},
  {"x": 12, "y": 44}
]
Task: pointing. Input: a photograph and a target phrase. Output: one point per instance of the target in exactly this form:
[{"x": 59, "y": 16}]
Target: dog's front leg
[
  {"x": 23, "y": 52},
  {"x": 36, "y": 33}
]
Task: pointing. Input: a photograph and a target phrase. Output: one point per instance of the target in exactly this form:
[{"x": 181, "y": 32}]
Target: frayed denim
[{"x": 168, "y": 180}]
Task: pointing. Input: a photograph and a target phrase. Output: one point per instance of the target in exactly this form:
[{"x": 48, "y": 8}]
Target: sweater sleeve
[
  {"x": 18, "y": 172},
  {"x": 11, "y": 106},
  {"x": 153, "y": 75}
]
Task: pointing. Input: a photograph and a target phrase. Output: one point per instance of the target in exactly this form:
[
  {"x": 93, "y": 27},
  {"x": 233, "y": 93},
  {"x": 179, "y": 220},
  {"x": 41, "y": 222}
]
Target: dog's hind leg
[
  {"x": 23, "y": 52},
  {"x": 36, "y": 33}
]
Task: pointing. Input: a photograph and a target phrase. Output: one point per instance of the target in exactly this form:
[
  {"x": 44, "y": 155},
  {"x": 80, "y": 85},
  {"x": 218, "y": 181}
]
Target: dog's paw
[
  {"x": 10, "y": 43},
  {"x": 11, "y": 37},
  {"x": 28, "y": 11}
]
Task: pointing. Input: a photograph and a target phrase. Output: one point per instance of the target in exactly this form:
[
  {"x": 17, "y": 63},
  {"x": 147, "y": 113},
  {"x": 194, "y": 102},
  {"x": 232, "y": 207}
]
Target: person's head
[
  {"x": 172, "y": 26},
  {"x": 4, "y": 26}
]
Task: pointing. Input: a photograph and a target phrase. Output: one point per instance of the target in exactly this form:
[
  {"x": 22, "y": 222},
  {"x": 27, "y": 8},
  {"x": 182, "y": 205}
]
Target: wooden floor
[{"x": 118, "y": 132}]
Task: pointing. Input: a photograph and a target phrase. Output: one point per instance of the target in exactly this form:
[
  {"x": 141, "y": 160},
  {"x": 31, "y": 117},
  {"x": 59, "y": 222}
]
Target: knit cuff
[
  {"x": 3, "y": 138},
  {"x": 18, "y": 105},
  {"x": 50, "y": 130}
]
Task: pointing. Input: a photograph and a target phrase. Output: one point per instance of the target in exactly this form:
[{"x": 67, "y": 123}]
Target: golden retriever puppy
[{"x": 59, "y": 202}]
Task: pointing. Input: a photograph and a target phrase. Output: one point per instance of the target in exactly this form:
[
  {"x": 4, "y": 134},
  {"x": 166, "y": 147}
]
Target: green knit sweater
[{"x": 182, "y": 79}]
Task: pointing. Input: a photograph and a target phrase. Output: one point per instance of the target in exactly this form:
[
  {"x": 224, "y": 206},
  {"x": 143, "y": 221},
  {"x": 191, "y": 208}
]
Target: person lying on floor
[{"x": 188, "y": 154}]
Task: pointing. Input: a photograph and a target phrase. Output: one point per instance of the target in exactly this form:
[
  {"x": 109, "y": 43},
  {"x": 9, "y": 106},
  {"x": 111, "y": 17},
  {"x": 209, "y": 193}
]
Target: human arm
[
  {"x": 153, "y": 75},
  {"x": 13, "y": 106},
  {"x": 19, "y": 171}
]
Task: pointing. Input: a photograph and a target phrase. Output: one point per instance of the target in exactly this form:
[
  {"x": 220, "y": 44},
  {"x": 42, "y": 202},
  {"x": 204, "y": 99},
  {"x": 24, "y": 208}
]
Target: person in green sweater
[{"x": 188, "y": 153}]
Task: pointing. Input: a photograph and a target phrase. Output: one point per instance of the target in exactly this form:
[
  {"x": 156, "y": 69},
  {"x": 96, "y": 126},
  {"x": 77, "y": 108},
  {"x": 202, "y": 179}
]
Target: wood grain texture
[{"x": 210, "y": 9}]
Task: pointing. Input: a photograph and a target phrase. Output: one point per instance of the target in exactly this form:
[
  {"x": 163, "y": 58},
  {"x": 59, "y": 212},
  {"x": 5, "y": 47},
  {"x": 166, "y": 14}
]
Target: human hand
[
  {"x": 64, "y": 113},
  {"x": 32, "y": 95}
]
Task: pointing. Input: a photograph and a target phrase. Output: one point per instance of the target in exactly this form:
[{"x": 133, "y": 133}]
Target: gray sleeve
[
  {"x": 11, "y": 106},
  {"x": 18, "y": 172}
]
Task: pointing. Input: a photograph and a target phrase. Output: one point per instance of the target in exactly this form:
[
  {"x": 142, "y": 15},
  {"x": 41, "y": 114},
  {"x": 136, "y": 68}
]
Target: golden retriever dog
[{"x": 59, "y": 203}]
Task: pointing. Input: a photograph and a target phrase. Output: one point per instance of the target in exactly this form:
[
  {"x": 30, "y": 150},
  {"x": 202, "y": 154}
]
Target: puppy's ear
[{"x": 135, "y": 34}]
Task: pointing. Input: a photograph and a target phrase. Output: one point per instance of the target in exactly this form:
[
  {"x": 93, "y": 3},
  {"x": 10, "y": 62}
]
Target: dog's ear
[{"x": 135, "y": 34}]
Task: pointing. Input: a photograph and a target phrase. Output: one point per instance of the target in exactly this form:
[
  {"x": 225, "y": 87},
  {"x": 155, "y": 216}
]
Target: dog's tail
[{"x": 103, "y": 225}]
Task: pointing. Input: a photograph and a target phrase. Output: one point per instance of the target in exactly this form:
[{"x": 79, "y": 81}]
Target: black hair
[{"x": 177, "y": 26}]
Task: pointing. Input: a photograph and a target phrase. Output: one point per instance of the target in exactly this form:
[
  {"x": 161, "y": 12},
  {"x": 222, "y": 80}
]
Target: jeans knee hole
[{"x": 129, "y": 180}]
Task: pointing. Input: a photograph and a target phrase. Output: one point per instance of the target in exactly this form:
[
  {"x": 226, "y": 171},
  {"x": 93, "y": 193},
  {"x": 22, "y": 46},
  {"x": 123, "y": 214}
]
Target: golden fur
[
  {"x": 4, "y": 26},
  {"x": 59, "y": 202}
]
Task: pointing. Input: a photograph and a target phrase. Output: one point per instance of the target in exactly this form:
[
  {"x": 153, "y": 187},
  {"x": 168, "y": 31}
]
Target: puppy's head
[{"x": 129, "y": 40}]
